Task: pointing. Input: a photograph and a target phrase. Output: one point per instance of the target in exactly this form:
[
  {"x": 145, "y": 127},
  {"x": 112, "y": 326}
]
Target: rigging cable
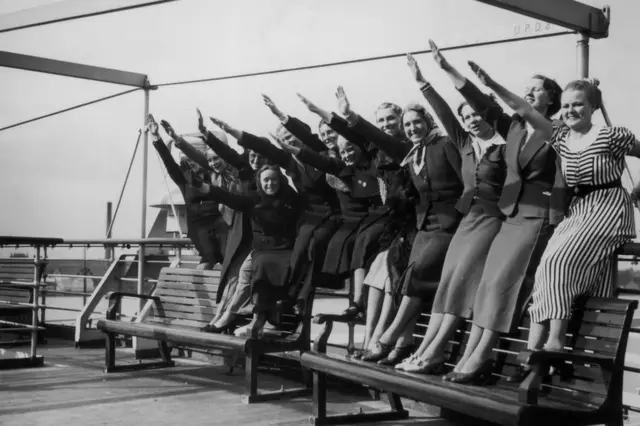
[
  {"x": 124, "y": 185},
  {"x": 70, "y": 108},
  {"x": 369, "y": 59}
]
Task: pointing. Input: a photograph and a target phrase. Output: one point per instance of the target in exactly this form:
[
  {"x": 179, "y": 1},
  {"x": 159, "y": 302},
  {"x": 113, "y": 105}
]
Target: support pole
[
  {"x": 143, "y": 218},
  {"x": 108, "y": 251},
  {"x": 582, "y": 56}
]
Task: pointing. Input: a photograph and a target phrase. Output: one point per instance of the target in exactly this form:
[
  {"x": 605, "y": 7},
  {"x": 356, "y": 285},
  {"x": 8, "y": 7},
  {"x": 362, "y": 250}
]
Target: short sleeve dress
[{"x": 578, "y": 258}]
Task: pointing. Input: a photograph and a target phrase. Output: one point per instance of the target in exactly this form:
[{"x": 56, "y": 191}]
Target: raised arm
[
  {"x": 173, "y": 169},
  {"x": 263, "y": 147},
  {"x": 230, "y": 199},
  {"x": 515, "y": 102},
  {"x": 228, "y": 154},
  {"x": 448, "y": 119},
  {"x": 324, "y": 163},
  {"x": 296, "y": 127}
]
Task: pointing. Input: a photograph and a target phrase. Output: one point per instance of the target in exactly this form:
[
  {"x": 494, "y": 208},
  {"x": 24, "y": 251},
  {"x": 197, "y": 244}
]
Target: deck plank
[{"x": 72, "y": 389}]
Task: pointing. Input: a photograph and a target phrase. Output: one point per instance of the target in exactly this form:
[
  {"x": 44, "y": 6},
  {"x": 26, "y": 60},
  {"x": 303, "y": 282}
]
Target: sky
[{"x": 57, "y": 174}]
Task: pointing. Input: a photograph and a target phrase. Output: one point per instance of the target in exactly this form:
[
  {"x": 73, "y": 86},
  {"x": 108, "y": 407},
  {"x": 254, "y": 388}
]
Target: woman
[
  {"x": 233, "y": 292},
  {"x": 578, "y": 258},
  {"x": 275, "y": 210},
  {"x": 515, "y": 252},
  {"x": 368, "y": 236},
  {"x": 434, "y": 167},
  {"x": 206, "y": 226}
]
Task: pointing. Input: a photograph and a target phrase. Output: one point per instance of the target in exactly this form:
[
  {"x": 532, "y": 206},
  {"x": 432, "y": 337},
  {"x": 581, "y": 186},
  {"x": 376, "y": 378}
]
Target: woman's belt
[{"x": 584, "y": 190}]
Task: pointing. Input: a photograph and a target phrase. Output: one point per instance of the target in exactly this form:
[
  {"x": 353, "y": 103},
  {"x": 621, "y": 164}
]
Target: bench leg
[
  {"x": 251, "y": 380},
  {"x": 110, "y": 357},
  {"x": 463, "y": 419},
  {"x": 320, "y": 417}
]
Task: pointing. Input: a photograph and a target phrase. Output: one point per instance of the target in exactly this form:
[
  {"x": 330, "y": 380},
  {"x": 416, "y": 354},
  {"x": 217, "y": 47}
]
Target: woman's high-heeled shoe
[
  {"x": 380, "y": 351},
  {"x": 422, "y": 367},
  {"x": 521, "y": 373},
  {"x": 482, "y": 376},
  {"x": 353, "y": 310},
  {"x": 396, "y": 355}
]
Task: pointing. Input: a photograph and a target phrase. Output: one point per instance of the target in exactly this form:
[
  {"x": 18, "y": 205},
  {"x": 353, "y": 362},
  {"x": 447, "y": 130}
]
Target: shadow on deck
[{"x": 71, "y": 389}]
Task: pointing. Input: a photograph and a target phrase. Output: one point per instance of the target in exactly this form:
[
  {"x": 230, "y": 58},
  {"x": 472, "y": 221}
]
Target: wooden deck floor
[{"x": 71, "y": 389}]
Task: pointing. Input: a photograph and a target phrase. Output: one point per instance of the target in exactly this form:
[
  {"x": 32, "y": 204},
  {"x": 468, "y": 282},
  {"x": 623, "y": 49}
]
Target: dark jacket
[
  {"x": 199, "y": 207},
  {"x": 439, "y": 182},
  {"x": 483, "y": 179},
  {"x": 363, "y": 193},
  {"x": 534, "y": 186},
  {"x": 274, "y": 219},
  {"x": 310, "y": 182}
]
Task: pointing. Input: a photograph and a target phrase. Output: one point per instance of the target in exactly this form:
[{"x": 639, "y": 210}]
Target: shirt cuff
[
  {"x": 285, "y": 119},
  {"x": 352, "y": 119}
]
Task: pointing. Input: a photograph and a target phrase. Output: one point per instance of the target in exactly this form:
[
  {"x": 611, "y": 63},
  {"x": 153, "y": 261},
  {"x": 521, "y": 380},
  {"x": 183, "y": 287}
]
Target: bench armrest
[
  {"x": 326, "y": 318},
  {"x": 540, "y": 361},
  {"x": 115, "y": 298}
]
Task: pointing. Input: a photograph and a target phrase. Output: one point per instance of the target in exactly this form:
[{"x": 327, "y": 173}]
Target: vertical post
[
  {"x": 108, "y": 251},
  {"x": 582, "y": 56},
  {"x": 34, "y": 309},
  {"x": 143, "y": 218}
]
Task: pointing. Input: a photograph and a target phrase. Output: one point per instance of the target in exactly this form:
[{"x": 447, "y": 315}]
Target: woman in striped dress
[{"x": 578, "y": 258}]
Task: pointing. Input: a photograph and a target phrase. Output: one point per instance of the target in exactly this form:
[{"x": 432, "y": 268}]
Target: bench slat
[
  {"x": 204, "y": 294},
  {"x": 206, "y": 317},
  {"x": 189, "y": 301},
  {"x": 174, "y": 307}
]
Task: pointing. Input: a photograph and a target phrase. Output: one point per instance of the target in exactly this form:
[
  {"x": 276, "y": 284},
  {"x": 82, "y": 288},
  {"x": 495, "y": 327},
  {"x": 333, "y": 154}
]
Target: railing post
[{"x": 37, "y": 275}]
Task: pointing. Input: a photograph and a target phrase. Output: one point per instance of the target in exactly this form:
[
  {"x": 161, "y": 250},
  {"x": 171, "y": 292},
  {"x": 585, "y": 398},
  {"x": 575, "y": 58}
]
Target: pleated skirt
[
  {"x": 508, "y": 276},
  {"x": 464, "y": 263}
]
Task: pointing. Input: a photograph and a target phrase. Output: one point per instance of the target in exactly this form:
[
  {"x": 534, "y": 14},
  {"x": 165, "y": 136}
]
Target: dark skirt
[
  {"x": 464, "y": 263},
  {"x": 509, "y": 271},
  {"x": 429, "y": 249},
  {"x": 340, "y": 249},
  {"x": 209, "y": 236},
  {"x": 368, "y": 241},
  {"x": 271, "y": 267}
]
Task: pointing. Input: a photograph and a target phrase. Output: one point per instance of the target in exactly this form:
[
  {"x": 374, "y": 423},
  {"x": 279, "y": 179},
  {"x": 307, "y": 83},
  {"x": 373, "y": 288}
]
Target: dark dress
[
  {"x": 358, "y": 193},
  {"x": 483, "y": 181},
  {"x": 439, "y": 186},
  {"x": 319, "y": 221},
  {"x": 205, "y": 225},
  {"x": 239, "y": 238},
  {"x": 532, "y": 200},
  {"x": 274, "y": 221}
]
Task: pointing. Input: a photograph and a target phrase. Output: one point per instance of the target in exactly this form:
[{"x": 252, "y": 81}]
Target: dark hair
[
  {"x": 283, "y": 180},
  {"x": 422, "y": 112},
  {"x": 554, "y": 90},
  {"x": 593, "y": 93},
  {"x": 492, "y": 99}
]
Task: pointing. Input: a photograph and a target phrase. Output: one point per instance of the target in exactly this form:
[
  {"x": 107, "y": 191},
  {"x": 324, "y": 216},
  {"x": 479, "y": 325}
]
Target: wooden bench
[
  {"x": 17, "y": 290},
  {"x": 589, "y": 393},
  {"x": 183, "y": 301}
]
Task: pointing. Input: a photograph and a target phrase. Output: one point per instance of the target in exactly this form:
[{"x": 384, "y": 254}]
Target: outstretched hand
[
  {"x": 482, "y": 75},
  {"x": 415, "y": 70},
  {"x": 201, "y": 127},
  {"x": 310, "y": 105},
  {"x": 438, "y": 57},
  {"x": 343, "y": 102},
  {"x": 223, "y": 126},
  {"x": 152, "y": 126},
  {"x": 169, "y": 129},
  {"x": 272, "y": 106}
]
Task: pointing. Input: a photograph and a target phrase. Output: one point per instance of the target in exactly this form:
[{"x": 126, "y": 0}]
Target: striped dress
[{"x": 578, "y": 258}]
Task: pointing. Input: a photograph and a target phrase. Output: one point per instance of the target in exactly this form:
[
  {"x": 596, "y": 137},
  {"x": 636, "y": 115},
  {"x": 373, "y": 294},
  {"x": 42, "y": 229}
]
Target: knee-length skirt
[
  {"x": 464, "y": 263},
  {"x": 340, "y": 248},
  {"x": 429, "y": 249},
  {"x": 507, "y": 279},
  {"x": 368, "y": 243}
]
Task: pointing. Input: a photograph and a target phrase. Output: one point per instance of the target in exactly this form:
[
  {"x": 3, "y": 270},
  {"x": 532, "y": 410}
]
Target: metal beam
[
  {"x": 71, "y": 69},
  {"x": 67, "y": 11},
  {"x": 571, "y": 14}
]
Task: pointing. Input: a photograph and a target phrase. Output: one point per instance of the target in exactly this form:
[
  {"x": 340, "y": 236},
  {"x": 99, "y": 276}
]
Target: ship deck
[{"x": 71, "y": 389}]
